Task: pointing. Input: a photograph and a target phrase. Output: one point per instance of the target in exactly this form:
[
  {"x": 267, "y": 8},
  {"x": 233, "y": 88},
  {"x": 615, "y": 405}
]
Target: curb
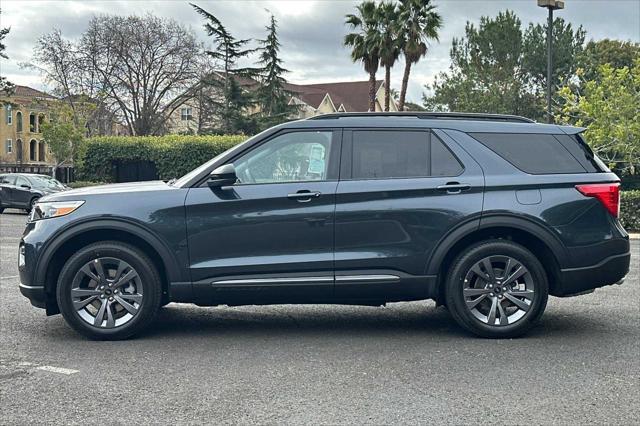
[{"x": 634, "y": 236}]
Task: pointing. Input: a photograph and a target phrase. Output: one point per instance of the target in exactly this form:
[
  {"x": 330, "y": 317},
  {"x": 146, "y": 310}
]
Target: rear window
[{"x": 540, "y": 153}]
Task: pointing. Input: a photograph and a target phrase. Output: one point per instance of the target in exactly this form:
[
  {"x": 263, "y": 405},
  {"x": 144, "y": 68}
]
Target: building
[
  {"x": 311, "y": 99},
  {"x": 324, "y": 98},
  {"x": 22, "y": 147}
]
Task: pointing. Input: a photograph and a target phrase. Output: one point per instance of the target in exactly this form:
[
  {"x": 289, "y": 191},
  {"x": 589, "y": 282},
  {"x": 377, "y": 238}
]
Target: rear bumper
[
  {"x": 611, "y": 270},
  {"x": 36, "y": 295}
]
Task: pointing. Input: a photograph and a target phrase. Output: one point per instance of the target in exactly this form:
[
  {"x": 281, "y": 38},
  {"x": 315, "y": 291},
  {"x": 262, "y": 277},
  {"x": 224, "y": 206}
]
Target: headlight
[{"x": 46, "y": 210}]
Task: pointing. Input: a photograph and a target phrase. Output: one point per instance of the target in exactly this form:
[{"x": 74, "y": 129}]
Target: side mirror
[{"x": 222, "y": 176}]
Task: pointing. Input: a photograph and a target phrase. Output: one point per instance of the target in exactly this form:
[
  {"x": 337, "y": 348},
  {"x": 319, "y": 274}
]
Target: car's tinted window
[
  {"x": 532, "y": 153},
  {"x": 581, "y": 152},
  {"x": 291, "y": 157},
  {"x": 443, "y": 162},
  {"x": 390, "y": 154}
]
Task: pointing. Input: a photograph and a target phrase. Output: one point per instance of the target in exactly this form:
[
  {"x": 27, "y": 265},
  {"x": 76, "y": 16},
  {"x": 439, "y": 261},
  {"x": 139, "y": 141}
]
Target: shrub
[
  {"x": 630, "y": 210},
  {"x": 173, "y": 155}
]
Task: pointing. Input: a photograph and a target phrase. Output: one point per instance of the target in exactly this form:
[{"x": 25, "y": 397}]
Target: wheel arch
[
  {"x": 67, "y": 242},
  {"x": 533, "y": 236}
]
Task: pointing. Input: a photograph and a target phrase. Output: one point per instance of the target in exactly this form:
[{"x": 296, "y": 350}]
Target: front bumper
[
  {"x": 36, "y": 295},
  {"x": 611, "y": 270}
]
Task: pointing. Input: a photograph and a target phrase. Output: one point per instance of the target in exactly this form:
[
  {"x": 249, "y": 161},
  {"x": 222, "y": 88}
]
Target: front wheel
[
  {"x": 497, "y": 289},
  {"x": 32, "y": 204},
  {"x": 109, "y": 291}
]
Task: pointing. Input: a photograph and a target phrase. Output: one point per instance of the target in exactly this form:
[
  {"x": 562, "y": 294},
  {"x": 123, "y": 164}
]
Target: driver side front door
[{"x": 268, "y": 238}]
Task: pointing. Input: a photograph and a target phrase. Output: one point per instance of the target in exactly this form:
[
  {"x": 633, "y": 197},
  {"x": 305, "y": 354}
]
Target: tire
[
  {"x": 32, "y": 202},
  {"x": 484, "y": 297},
  {"x": 125, "y": 305}
]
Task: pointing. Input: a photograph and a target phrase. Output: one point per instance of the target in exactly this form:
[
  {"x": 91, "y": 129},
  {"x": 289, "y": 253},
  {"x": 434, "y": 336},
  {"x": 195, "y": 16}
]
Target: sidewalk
[{"x": 634, "y": 236}]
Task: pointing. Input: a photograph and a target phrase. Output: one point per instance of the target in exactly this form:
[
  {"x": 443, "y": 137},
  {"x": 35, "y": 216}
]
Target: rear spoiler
[{"x": 571, "y": 130}]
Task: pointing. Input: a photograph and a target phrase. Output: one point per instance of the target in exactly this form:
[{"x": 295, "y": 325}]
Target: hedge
[
  {"x": 173, "y": 155},
  {"x": 630, "y": 210}
]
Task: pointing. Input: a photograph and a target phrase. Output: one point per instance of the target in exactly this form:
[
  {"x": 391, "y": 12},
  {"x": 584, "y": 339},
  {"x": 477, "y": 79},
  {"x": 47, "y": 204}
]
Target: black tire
[
  {"x": 32, "y": 202},
  {"x": 1, "y": 210},
  {"x": 148, "y": 278},
  {"x": 461, "y": 269}
]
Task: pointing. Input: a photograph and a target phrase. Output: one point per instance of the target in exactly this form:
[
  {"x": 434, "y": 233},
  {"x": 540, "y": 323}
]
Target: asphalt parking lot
[{"x": 405, "y": 363}]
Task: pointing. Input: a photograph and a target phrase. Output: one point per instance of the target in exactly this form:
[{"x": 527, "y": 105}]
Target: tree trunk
[
  {"x": 405, "y": 83},
  {"x": 372, "y": 91},
  {"x": 387, "y": 88}
]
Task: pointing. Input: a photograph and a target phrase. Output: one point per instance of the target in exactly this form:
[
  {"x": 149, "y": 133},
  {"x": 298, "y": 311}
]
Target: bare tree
[{"x": 144, "y": 67}]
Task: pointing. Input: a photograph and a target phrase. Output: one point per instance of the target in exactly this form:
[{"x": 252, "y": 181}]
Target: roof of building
[
  {"x": 354, "y": 95},
  {"x": 29, "y": 92}
]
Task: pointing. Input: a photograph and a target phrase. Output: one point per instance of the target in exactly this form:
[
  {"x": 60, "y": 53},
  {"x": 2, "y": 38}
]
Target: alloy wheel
[
  {"x": 107, "y": 292},
  {"x": 498, "y": 290}
]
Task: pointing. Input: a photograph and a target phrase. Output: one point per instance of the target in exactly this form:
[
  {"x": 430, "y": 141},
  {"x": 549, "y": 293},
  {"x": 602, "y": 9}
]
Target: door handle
[
  {"x": 304, "y": 196},
  {"x": 454, "y": 187}
]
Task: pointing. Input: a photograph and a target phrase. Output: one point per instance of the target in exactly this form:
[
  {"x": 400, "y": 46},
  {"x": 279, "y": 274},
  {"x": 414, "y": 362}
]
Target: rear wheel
[
  {"x": 497, "y": 289},
  {"x": 109, "y": 291}
]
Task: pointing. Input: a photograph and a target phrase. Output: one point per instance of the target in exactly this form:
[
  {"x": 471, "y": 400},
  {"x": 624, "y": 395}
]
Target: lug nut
[
  {"x": 499, "y": 296},
  {"x": 101, "y": 287},
  {"x": 115, "y": 291},
  {"x": 491, "y": 294},
  {"x": 102, "y": 296},
  {"x": 490, "y": 285},
  {"x": 111, "y": 299}
]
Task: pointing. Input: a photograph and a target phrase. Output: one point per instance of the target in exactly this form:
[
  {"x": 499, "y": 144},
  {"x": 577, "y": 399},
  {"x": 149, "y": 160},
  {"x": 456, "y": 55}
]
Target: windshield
[{"x": 45, "y": 182}]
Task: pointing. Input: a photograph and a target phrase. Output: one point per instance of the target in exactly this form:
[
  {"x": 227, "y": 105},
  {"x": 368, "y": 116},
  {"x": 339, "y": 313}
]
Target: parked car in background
[
  {"x": 22, "y": 190},
  {"x": 486, "y": 214}
]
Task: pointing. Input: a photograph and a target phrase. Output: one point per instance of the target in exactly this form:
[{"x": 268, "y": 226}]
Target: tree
[
  {"x": 607, "y": 105},
  {"x": 387, "y": 42},
  {"x": 62, "y": 136},
  {"x": 617, "y": 53},
  {"x": 567, "y": 47},
  {"x": 272, "y": 96},
  {"x": 5, "y": 85},
  {"x": 499, "y": 68},
  {"x": 362, "y": 43},
  {"x": 418, "y": 23},
  {"x": 142, "y": 66}
]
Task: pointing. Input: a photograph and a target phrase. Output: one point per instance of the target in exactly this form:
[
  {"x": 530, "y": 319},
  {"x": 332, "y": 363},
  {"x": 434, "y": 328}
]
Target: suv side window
[
  {"x": 291, "y": 157},
  {"x": 531, "y": 153},
  {"x": 383, "y": 154},
  {"x": 380, "y": 154}
]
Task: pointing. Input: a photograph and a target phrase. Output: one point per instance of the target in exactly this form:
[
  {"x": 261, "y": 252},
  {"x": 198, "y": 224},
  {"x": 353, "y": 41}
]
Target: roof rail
[{"x": 473, "y": 116}]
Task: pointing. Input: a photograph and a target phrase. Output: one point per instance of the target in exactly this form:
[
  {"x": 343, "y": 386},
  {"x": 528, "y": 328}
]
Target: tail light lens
[{"x": 607, "y": 193}]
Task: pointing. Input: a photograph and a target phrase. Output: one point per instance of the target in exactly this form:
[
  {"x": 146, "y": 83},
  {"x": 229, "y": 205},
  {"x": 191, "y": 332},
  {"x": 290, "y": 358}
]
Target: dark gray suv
[{"x": 486, "y": 214}]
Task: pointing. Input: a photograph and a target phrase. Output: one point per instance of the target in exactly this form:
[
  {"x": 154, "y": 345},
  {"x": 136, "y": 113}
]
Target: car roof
[{"x": 468, "y": 123}]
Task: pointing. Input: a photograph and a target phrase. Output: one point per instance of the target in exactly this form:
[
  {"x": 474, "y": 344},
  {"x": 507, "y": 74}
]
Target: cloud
[{"x": 311, "y": 32}]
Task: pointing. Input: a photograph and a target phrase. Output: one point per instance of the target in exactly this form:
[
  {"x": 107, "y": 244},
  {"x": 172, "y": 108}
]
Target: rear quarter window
[{"x": 532, "y": 153}]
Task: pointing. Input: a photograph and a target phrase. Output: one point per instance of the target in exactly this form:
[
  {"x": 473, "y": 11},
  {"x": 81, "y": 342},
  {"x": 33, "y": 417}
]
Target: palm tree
[
  {"x": 388, "y": 43},
  {"x": 418, "y": 23},
  {"x": 362, "y": 43}
]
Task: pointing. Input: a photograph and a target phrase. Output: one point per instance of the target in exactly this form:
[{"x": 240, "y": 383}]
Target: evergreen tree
[
  {"x": 224, "y": 101},
  {"x": 5, "y": 85},
  {"x": 272, "y": 97}
]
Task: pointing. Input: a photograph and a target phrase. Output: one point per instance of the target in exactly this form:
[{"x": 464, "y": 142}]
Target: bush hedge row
[
  {"x": 630, "y": 210},
  {"x": 173, "y": 155}
]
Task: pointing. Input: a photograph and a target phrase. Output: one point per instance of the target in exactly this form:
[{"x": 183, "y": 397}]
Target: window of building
[
  {"x": 8, "y": 146},
  {"x": 41, "y": 154},
  {"x": 33, "y": 150},
  {"x": 9, "y": 114},
  {"x": 18, "y": 121},
  {"x": 32, "y": 123},
  {"x": 531, "y": 153},
  {"x": 185, "y": 114}
]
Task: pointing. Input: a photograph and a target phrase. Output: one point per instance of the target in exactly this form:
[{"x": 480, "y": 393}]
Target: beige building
[
  {"x": 311, "y": 99},
  {"x": 22, "y": 147}
]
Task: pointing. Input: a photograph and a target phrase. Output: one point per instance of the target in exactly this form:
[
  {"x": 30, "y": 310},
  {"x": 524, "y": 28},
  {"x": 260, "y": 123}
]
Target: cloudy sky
[{"x": 311, "y": 32}]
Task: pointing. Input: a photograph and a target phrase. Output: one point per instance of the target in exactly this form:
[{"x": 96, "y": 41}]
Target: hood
[{"x": 116, "y": 188}]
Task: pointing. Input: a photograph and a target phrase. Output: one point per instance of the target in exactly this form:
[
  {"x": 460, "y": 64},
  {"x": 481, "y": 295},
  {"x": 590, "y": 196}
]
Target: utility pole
[{"x": 551, "y": 5}]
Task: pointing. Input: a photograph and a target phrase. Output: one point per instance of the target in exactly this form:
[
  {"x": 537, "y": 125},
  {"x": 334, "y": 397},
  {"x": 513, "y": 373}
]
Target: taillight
[{"x": 607, "y": 193}]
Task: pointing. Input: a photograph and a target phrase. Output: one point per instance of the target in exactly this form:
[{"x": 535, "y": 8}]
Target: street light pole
[{"x": 551, "y": 5}]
